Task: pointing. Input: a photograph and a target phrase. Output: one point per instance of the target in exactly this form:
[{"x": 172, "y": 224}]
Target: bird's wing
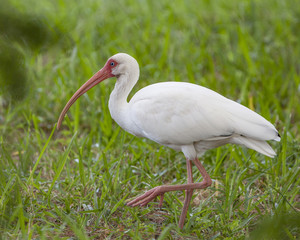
[{"x": 183, "y": 113}]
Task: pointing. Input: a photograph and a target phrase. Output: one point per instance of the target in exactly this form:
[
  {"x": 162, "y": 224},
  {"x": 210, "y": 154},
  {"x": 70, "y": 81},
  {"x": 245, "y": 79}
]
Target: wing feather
[{"x": 182, "y": 113}]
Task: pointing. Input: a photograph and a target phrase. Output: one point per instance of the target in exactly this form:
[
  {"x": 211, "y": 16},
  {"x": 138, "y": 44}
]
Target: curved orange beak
[{"x": 98, "y": 77}]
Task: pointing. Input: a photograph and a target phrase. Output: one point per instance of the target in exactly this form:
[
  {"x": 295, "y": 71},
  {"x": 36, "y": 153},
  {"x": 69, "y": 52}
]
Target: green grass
[{"x": 74, "y": 183}]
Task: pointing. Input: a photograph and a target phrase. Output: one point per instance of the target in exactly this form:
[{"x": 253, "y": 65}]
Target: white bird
[{"x": 183, "y": 116}]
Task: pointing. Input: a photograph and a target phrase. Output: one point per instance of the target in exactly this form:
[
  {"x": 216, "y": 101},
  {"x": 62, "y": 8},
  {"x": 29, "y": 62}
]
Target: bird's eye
[{"x": 112, "y": 64}]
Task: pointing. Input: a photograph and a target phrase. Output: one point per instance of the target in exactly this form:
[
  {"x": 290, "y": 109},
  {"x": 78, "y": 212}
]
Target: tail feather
[{"x": 257, "y": 145}]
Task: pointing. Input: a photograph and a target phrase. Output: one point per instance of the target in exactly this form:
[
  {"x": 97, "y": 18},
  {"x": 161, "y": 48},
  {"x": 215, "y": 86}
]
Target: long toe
[
  {"x": 146, "y": 197},
  {"x": 139, "y": 199}
]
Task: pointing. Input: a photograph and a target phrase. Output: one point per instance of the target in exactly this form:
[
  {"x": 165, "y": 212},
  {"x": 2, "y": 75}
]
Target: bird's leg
[
  {"x": 206, "y": 178},
  {"x": 188, "y": 194},
  {"x": 161, "y": 200},
  {"x": 160, "y": 190}
]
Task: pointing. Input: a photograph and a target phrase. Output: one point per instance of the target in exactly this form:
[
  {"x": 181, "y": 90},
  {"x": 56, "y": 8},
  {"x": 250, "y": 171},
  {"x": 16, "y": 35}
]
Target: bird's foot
[{"x": 148, "y": 197}]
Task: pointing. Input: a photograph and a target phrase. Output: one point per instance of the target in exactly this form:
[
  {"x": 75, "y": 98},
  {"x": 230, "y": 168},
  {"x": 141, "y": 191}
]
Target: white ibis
[{"x": 183, "y": 116}]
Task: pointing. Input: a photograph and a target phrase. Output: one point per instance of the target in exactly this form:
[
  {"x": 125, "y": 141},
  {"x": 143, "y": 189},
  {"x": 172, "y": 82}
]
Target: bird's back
[{"x": 179, "y": 113}]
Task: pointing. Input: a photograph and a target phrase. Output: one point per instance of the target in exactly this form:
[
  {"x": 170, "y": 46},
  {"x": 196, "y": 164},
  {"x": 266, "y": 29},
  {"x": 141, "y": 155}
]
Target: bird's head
[
  {"x": 116, "y": 66},
  {"x": 121, "y": 64}
]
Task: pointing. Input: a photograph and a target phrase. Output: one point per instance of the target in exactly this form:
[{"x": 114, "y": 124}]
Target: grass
[{"x": 73, "y": 184}]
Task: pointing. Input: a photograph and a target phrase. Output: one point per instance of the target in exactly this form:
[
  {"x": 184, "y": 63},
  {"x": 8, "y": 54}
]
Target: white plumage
[
  {"x": 180, "y": 115},
  {"x": 176, "y": 114}
]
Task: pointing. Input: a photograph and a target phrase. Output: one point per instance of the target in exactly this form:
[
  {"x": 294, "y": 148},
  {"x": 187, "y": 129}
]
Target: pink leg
[
  {"x": 161, "y": 200},
  {"x": 188, "y": 194},
  {"x": 189, "y": 187}
]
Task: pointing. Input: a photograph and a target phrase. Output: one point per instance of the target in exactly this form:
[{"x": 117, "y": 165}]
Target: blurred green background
[{"x": 74, "y": 183}]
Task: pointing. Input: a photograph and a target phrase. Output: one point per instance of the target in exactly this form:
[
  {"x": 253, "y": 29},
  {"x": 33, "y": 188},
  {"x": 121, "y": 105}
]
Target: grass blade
[
  {"x": 61, "y": 166},
  {"x": 41, "y": 155}
]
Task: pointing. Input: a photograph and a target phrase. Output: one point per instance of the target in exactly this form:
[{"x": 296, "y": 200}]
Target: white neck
[{"x": 118, "y": 105}]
